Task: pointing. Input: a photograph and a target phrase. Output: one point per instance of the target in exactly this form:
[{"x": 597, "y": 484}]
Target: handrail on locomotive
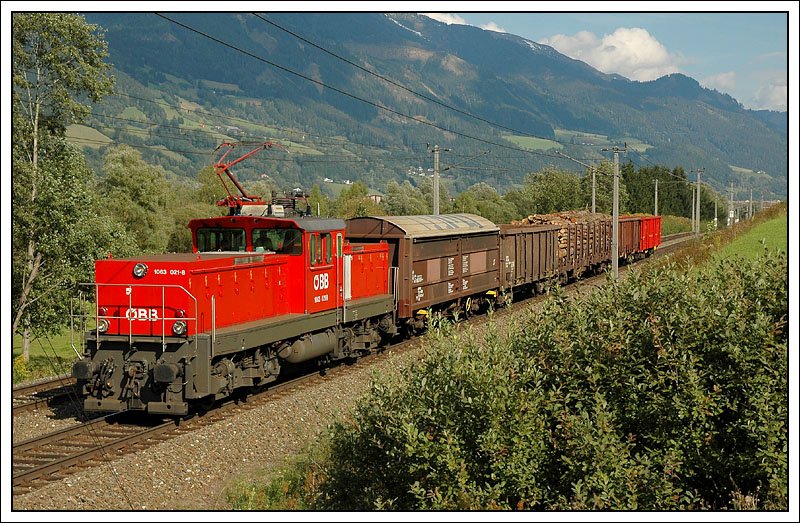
[{"x": 131, "y": 317}]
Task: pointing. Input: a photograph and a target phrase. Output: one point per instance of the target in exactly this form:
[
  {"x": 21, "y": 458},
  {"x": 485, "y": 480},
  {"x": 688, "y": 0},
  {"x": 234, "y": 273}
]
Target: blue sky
[{"x": 742, "y": 54}]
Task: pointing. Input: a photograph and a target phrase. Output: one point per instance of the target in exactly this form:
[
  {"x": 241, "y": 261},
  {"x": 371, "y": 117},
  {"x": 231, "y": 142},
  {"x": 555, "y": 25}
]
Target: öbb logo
[
  {"x": 142, "y": 314},
  {"x": 321, "y": 281}
]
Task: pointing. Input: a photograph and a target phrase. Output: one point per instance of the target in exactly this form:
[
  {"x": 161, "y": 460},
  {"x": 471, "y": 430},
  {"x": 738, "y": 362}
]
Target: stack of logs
[{"x": 582, "y": 235}]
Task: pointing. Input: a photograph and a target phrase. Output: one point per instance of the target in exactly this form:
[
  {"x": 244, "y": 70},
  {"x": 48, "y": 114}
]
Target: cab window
[
  {"x": 320, "y": 249},
  {"x": 327, "y": 244},
  {"x": 221, "y": 239},
  {"x": 282, "y": 241}
]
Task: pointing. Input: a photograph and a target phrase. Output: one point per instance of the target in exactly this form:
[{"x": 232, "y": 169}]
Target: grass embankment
[
  {"x": 49, "y": 356},
  {"x": 742, "y": 239},
  {"x": 666, "y": 391},
  {"x": 770, "y": 234},
  {"x": 674, "y": 225}
]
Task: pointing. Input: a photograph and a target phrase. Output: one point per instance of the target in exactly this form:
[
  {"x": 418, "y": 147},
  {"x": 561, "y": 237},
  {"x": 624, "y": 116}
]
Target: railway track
[
  {"x": 57, "y": 455},
  {"x": 43, "y": 394},
  {"x": 41, "y": 460}
]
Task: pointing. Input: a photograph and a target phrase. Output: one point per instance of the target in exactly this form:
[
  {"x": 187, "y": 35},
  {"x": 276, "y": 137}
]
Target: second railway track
[{"x": 43, "y": 394}]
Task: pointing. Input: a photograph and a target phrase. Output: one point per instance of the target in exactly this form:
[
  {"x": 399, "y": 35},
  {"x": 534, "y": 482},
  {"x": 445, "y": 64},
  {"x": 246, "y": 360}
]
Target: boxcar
[
  {"x": 649, "y": 233},
  {"x": 440, "y": 259}
]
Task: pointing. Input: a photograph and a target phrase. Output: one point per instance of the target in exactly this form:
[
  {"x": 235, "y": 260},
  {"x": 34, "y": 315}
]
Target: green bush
[
  {"x": 666, "y": 391},
  {"x": 674, "y": 225},
  {"x": 21, "y": 371},
  {"x": 291, "y": 488}
]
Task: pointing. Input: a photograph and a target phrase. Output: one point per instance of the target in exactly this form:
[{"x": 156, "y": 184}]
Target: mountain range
[{"x": 365, "y": 96}]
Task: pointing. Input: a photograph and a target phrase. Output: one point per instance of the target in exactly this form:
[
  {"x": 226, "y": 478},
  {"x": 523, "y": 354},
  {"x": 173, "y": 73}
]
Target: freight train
[
  {"x": 260, "y": 293},
  {"x": 269, "y": 287}
]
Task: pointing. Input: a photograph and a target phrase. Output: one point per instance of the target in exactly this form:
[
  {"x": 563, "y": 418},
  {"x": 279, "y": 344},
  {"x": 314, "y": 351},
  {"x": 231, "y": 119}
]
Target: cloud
[
  {"x": 723, "y": 82},
  {"x": 491, "y": 26},
  {"x": 771, "y": 96},
  {"x": 450, "y": 18},
  {"x": 447, "y": 18},
  {"x": 629, "y": 51},
  {"x": 779, "y": 55}
]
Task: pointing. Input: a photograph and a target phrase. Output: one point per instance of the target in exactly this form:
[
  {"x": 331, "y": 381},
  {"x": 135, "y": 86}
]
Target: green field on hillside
[
  {"x": 738, "y": 169},
  {"x": 636, "y": 145},
  {"x": 86, "y": 136},
  {"x": 133, "y": 113},
  {"x": 594, "y": 139},
  {"x": 534, "y": 144},
  {"x": 565, "y": 135},
  {"x": 220, "y": 85}
]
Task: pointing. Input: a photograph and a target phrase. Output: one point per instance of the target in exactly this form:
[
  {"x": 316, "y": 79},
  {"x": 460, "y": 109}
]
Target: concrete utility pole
[
  {"x": 656, "y": 213},
  {"x": 715, "y": 211},
  {"x": 615, "y": 217},
  {"x": 436, "y": 179},
  {"x": 751, "y": 203},
  {"x": 697, "y": 230},
  {"x": 693, "y": 196},
  {"x": 730, "y": 209}
]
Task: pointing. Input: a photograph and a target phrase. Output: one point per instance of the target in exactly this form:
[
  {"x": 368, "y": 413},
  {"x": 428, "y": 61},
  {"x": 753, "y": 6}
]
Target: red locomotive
[{"x": 268, "y": 287}]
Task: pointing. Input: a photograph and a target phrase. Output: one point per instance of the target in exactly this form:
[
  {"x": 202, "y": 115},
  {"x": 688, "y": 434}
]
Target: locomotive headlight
[
  {"x": 180, "y": 313},
  {"x": 139, "y": 270},
  {"x": 179, "y": 328},
  {"x": 102, "y": 325},
  {"x": 102, "y": 311}
]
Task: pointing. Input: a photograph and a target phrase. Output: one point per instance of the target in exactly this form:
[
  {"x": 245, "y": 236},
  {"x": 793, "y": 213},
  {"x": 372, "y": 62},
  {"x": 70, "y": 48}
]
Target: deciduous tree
[
  {"x": 405, "y": 199},
  {"x": 483, "y": 200},
  {"x": 138, "y": 195},
  {"x": 354, "y": 201},
  {"x": 57, "y": 60}
]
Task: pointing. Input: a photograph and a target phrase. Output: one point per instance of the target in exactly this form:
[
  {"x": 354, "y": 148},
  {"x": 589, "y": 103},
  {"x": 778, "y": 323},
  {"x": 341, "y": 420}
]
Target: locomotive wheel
[{"x": 204, "y": 405}]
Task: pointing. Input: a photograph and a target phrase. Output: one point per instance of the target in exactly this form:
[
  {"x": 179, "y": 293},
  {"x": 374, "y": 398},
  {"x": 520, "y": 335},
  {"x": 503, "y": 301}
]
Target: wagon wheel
[
  {"x": 204, "y": 405},
  {"x": 468, "y": 309}
]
